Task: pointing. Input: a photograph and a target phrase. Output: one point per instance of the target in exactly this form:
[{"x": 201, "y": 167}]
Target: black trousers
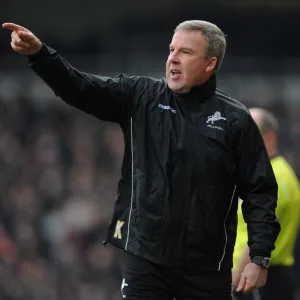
[
  {"x": 280, "y": 286},
  {"x": 145, "y": 280}
]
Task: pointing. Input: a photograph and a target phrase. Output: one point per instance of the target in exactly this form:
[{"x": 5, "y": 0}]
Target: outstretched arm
[{"x": 107, "y": 98}]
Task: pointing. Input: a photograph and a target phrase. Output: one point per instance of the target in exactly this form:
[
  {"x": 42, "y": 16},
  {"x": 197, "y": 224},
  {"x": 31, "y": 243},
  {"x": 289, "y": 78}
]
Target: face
[
  {"x": 187, "y": 64},
  {"x": 268, "y": 137},
  {"x": 256, "y": 115}
]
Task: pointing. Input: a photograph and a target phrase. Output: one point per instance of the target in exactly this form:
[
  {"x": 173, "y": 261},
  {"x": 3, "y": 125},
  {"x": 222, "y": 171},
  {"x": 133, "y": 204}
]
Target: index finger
[{"x": 14, "y": 27}]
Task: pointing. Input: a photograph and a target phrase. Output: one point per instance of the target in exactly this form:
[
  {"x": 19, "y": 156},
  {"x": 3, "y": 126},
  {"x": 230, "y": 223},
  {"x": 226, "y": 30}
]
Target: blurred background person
[
  {"x": 280, "y": 283},
  {"x": 59, "y": 168}
]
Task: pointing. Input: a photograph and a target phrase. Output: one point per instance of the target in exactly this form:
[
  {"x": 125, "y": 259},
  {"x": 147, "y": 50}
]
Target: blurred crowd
[
  {"x": 58, "y": 181},
  {"x": 59, "y": 172}
]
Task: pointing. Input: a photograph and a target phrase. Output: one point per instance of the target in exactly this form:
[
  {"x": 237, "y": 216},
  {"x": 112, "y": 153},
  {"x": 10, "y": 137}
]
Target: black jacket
[{"x": 187, "y": 160}]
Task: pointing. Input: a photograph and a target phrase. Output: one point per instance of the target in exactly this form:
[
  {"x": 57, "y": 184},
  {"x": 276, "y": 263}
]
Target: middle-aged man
[{"x": 190, "y": 152}]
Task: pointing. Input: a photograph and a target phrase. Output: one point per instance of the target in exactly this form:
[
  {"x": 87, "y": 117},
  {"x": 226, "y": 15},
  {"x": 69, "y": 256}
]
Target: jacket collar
[
  {"x": 274, "y": 156},
  {"x": 200, "y": 92}
]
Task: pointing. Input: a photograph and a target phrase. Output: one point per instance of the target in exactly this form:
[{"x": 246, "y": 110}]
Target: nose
[{"x": 173, "y": 58}]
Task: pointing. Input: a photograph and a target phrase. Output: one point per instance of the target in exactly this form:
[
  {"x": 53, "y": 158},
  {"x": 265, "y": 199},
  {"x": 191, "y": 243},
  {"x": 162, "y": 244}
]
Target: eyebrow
[{"x": 183, "y": 48}]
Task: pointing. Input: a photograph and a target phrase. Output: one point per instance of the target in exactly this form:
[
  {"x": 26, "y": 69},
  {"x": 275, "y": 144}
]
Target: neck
[
  {"x": 272, "y": 153},
  {"x": 200, "y": 92}
]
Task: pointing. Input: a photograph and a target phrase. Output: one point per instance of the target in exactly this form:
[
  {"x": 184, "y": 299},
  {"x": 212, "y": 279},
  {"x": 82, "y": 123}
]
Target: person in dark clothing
[{"x": 190, "y": 152}]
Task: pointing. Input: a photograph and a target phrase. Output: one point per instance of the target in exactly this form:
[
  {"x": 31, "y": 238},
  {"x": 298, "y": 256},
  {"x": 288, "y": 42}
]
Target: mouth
[{"x": 175, "y": 74}]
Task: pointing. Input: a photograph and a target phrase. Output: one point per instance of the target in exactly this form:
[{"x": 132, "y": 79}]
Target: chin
[
  {"x": 175, "y": 87},
  {"x": 178, "y": 88}
]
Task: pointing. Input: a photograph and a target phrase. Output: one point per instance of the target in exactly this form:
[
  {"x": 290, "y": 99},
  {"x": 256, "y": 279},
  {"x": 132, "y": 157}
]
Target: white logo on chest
[{"x": 214, "y": 118}]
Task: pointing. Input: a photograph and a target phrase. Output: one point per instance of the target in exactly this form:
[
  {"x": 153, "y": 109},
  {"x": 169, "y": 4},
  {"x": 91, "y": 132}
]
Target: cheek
[{"x": 197, "y": 70}]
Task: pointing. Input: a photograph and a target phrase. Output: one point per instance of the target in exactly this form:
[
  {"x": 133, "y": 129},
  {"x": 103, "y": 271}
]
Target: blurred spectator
[{"x": 58, "y": 182}]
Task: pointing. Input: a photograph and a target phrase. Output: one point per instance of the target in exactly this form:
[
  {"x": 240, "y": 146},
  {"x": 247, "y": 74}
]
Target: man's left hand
[{"x": 253, "y": 277}]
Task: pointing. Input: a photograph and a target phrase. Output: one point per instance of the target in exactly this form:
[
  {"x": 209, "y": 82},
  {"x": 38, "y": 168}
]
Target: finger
[
  {"x": 19, "y": 43},
  {"x": 16, "y": 48},
  {"x": 17, "y": 39},
  {"x": 249, "y": 286},
  {"x": 242, "y": 284},
  {"x": 26, "y": 37},
  {"x": 14, "y": 35},
  {"x": 14, "y": 27}
]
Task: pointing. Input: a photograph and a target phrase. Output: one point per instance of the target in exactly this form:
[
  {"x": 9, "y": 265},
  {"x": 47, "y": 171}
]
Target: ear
[{"x": 211, "y": 64}]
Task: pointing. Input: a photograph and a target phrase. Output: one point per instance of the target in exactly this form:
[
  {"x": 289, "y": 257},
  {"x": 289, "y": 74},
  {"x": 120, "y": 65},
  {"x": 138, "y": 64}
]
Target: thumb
[
  {"x": 26, "y": 36},
  {"x": 241, "y": 284}
]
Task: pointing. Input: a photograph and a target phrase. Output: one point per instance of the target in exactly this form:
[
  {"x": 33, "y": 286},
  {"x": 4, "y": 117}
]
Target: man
[
  {"x": 190, "y": 152},
  {"x": 280, "y": 284}
]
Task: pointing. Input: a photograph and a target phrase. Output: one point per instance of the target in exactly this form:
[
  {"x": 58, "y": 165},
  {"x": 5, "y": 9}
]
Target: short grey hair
[{"x": 212, "y": 33}]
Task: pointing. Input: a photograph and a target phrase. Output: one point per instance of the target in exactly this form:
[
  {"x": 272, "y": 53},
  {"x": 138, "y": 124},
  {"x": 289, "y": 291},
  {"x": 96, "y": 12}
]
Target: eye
[
  {"x": 186, "y": 52},
  {"x": 171, "y": 50}
]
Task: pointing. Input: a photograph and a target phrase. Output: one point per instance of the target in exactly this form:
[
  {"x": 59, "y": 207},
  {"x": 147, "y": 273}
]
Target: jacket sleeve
[
  {"x": 257, "y": 187},
  {"x": 108, "y": 99}
]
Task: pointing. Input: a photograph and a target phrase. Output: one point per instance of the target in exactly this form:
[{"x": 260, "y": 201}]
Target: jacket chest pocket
[{"x": 209, "y": 152}]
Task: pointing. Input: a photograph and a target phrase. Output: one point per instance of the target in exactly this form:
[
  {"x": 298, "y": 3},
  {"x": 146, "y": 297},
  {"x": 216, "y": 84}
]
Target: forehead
[{"x": 188, "y": 38}]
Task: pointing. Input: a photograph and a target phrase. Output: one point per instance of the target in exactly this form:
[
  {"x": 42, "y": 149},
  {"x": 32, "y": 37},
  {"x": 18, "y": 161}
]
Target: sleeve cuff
[
  {"x": 44, "y": 52},
  {"x": 254, "y": 253}
]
